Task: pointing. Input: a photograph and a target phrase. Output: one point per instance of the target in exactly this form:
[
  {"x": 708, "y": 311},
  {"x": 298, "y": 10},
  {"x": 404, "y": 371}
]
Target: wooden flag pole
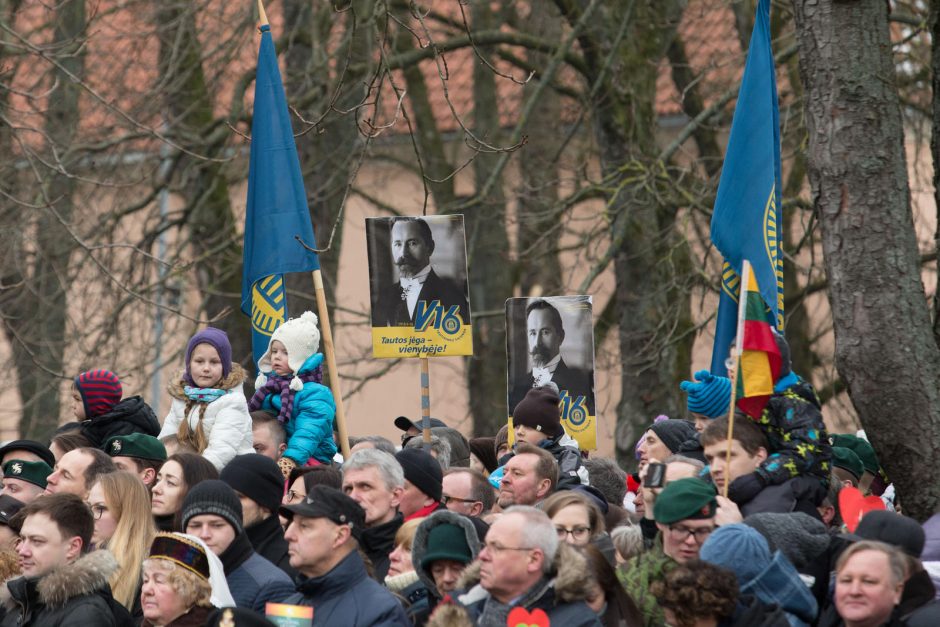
[
  {"x": 425, "y": 402},
  {"x": 736, "y": 358},
  {"x": 262, "y": 16},
  {"x": 330, "y": 353}
]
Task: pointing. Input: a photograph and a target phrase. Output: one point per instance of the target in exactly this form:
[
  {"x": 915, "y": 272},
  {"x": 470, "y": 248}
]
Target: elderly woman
[
  {"x": 182, "y": 582},
  {"x": 869, "y": 582}
]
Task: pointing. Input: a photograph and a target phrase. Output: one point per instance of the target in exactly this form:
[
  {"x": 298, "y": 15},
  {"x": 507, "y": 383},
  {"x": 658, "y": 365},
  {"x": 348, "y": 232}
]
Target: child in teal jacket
[{"x": 289, "y": 383}]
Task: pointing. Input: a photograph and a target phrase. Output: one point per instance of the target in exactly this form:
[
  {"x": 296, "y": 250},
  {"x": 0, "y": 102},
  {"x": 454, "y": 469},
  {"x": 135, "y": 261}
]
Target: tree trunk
[
  {"x": 209, "y": 217},
  {"x": 487, "y": 247},
  {"x": 652, "y": 259},
  {"x": 885, "y": 350},
  {"x": 39, "y": 307},
  {"x": 934, "y": 20},
  {"x": 539, "y": 228}
]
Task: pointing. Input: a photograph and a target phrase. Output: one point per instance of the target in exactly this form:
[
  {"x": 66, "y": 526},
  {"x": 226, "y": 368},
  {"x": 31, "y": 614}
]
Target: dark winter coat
[
  {"x": 751, "y": 612},
  {"x": 74, "y": 594},
  {"x": 347, "y": 596},
  {"x": 267, "y": 538},
  {"x": 378, "y": 542},
  {"x": 794, "y": 495},
  {"x": 796, "y": 434},
  {"x": 253, "y": 580},
  {"x": 131, "y": 415},
  {"x": 196, "y": 617},
  {"x": 570, "y": 467},
  {"x": 560, "y": 595}
]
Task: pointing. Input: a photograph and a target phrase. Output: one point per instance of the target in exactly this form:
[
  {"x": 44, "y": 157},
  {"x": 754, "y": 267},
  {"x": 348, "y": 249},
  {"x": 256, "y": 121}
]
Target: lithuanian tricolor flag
[{"x": 759, "y": 365}]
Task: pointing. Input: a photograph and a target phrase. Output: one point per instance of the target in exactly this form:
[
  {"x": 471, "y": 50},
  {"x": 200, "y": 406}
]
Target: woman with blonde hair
[
  {"x": 577, "y": 520},
  {"x": 120, "y": 505},
  {"x": 402, "y": 579}
]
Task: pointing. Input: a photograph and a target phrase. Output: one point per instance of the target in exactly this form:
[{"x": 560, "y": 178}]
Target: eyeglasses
[
  {"x": 447, "y": 499},
  {"x": 681, "y": 534},
  {"x": 577, "y": 533},
  {"x": 293, "y": 496},
  {"x": 494, "y": 548},
  {"x": 97, "y": 511}
]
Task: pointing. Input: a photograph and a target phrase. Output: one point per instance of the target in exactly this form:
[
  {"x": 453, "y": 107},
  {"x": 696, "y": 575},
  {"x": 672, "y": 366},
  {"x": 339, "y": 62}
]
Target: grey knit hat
[{"x": 213, "y": 497}]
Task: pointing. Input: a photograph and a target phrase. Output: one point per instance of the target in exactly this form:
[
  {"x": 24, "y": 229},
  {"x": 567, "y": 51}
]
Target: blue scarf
[{"x": 203, "y": 395}]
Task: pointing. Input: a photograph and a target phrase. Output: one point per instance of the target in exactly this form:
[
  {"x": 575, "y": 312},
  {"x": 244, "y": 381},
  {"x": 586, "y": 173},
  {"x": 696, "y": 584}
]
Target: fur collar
[
  {"x": 85, "y": 575},
  {"x": 567, "y": 573},
  {"x": 235, "y": 377}
]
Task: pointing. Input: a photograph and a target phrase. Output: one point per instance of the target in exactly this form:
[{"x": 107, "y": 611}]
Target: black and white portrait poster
[
  {"x": 551, "y": 340},
  {"x": 418, "y": 287}
]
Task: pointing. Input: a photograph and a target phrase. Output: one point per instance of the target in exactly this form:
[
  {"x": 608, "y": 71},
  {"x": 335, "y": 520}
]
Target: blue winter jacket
[
  {"x": 780, "y": 583},
  {"x": 348, "y": 596},
  {"x": 257, "y": 582},
  {"x": 310, "y": 428}
]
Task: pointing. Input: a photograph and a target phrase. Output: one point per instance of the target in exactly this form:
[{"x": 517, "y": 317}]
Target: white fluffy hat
[{"x": 301, "y": 337}]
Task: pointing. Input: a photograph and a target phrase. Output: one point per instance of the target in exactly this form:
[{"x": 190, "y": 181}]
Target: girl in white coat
[{"x": 209, "y": 411}]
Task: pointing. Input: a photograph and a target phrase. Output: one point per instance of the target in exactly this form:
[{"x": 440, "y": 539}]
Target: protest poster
[
  {"x": 418, "y": 287},
  {"x": 551, "y": 340}
]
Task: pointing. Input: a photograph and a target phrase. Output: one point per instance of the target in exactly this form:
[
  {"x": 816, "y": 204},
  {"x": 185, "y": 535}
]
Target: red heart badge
[
  {"x": 853, "y": 506},
  {"x": 521, "y": 617}
]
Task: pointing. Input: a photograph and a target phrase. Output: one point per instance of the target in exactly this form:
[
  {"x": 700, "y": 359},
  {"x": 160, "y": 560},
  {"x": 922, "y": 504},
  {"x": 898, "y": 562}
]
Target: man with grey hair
[
  {"x": 376, "y": 481},
  {"x": 522, "y": 564},
  {"x": 371, "y": 441},
  {"x": 439, "y": 449}
]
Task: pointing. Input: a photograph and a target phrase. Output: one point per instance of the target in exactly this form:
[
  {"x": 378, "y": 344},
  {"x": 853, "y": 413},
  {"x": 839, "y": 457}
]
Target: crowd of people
[{"x": 232, "y": 504}]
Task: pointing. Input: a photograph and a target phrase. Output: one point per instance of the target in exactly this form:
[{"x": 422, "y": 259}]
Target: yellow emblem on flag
[{"x": 267, "y": 304}]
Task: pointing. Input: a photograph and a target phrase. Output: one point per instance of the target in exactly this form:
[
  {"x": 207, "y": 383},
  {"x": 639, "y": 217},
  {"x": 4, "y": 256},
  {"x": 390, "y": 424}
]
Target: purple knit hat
[{"x": 217, "y": 339}]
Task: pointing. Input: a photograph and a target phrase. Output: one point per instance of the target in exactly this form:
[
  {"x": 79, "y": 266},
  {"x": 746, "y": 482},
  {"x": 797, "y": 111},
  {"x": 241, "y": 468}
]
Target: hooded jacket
[
  {"x": 571, "y": 472},
  {"x": 780, "y": 584},
  {"x": 560, "y": 595},
  {"x": 131, "y": 415},
  {"x": 227, "y": 423},
  {"x": 419, "y": 547},
  {"x": 347, "y": 596},
  {"x": 73, "y": 594},
  {"x": 310, "y": 428}
]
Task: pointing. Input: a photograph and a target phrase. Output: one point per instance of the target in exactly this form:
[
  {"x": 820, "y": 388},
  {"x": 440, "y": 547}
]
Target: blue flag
[
  {"x": 276, "y": 213},
  {"x": 746, "y": 221}
]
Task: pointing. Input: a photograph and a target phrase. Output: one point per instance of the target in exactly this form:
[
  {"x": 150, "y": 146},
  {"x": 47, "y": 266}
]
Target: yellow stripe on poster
[{"x": 401, "y": 342}]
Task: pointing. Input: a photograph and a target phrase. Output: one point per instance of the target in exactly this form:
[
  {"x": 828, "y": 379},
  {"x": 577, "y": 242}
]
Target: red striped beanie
[{"x": 101, "y": 391}]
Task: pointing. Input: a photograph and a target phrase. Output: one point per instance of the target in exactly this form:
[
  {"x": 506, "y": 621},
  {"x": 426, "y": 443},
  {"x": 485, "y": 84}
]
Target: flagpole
[
  {"x": 425, "y": 401},
  {"x": 736, "y": 357},
  {"x": 262, "y": 16},
  {"x": 330, "y": 353}
]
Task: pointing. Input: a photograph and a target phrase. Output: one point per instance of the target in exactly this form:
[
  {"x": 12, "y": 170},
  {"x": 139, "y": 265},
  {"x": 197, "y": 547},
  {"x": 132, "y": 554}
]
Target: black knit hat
[
  {"x": 422, "y": 470},
  {"x": 213, "y": 496},
  {"x": 257, "y": 477},
  {"x": 485, "y": 451},
  {"x": 540, "y": 410},
  {"x": 893, "y": 529},
  {"x": 673, "y": 432}
]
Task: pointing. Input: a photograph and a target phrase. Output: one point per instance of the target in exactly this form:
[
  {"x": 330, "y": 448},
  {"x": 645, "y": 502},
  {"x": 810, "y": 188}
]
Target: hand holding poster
[
  {"x": 551, "y": 340},
  {"x": 418, "y": 286}
]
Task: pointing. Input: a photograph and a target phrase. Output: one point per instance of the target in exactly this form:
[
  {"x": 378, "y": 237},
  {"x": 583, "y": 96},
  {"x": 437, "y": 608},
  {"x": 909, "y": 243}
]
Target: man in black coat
[
  {"x": 545, "y": 334},
  {"x": 61, "y": 584},
  {"x": 412, "y": 246},
  {"x": 258, "y": 482}
]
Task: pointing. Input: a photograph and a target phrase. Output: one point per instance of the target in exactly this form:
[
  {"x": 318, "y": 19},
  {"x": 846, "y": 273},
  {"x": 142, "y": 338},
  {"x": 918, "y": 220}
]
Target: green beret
[
  {"x": 139, "y": 445},
  {"x": 30, "y": 472},
  {"x": 685, "y": 499},
  {"x": 860, "y": 447},
  {"x": 846, "y": 459}
]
